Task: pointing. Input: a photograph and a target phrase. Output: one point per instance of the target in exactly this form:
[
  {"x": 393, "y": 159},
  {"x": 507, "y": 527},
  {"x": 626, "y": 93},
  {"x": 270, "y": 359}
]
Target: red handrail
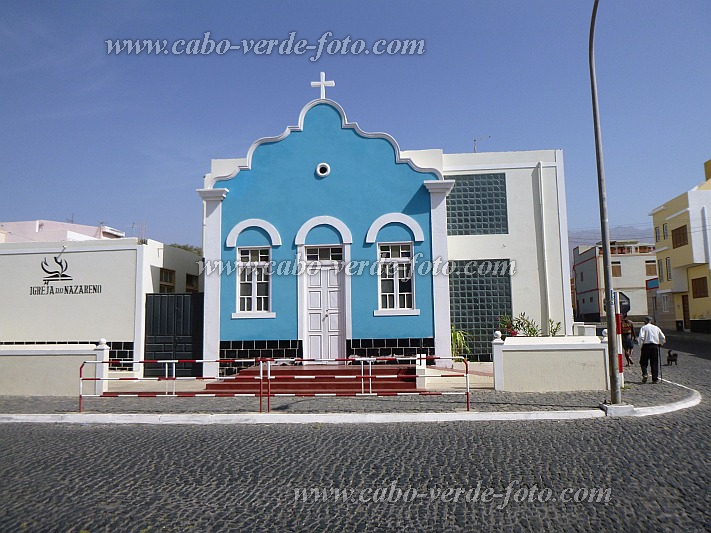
[{"x": 269, "y": 377}]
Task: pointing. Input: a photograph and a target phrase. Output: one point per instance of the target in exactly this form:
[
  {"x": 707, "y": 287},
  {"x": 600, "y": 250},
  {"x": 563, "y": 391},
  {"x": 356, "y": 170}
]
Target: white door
[{"x": 325, "y": 337}]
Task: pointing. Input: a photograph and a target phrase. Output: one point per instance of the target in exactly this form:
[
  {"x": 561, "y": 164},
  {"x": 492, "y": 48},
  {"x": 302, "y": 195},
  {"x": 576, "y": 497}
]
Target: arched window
[
  {"x": 254, "y": 284},
  {"x": 396, "y": 281}
]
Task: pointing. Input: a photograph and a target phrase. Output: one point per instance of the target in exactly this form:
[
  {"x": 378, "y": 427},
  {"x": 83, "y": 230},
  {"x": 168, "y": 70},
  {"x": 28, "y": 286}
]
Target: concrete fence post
[
  {"x": 498, "y": 351},
  {"x": 102, "y": 369}
]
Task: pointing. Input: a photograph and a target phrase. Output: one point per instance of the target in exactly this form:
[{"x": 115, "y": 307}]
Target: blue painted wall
[{"x": 282, "y": 188}]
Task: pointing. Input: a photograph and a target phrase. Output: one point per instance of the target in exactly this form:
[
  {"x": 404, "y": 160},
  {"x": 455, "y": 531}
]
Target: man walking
[
  {"x": 628, "y": 338},
  {"x": 651, "y": 337}
]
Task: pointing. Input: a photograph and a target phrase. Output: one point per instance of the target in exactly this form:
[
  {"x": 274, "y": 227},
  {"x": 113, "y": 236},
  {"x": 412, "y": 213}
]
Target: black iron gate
[{"x": 174, "y": 331}]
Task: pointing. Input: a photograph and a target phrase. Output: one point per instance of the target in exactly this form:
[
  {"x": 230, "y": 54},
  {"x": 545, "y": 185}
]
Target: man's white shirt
[{"x": 651, "y": 334}]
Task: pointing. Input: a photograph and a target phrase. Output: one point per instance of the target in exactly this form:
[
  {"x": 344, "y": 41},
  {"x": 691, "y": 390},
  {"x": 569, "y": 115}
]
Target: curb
[
  {"x": 278, "y": 418},
  {"x": 691, "y": 401}
]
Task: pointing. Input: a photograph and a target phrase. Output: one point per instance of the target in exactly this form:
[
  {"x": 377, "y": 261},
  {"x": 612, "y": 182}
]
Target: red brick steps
[{"x": 328, "y": 379}]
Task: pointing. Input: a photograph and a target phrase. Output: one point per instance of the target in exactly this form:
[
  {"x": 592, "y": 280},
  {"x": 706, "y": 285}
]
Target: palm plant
[{"x": 460, "y": 343}]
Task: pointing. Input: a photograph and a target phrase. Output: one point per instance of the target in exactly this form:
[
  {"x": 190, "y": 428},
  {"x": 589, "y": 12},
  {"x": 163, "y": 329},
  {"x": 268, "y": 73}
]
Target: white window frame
[
  {"x": 327, "y": 261},
  {"x": 612, "y": 268},
  {"x": 668, "y": 265},
  {"x": 166, "y": 286},
  {"x": 397, "y": 310},
  {"x": 665, "y": 303},
  {"x": 647, "y": 264},
  {"x": 241, "y": 266}
]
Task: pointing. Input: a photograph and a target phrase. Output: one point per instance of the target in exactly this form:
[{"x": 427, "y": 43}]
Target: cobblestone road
[{"x": 216, "y": 478}]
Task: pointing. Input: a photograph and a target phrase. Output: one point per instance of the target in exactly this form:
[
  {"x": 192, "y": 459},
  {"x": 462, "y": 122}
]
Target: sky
[{"x": 125, "y": 140}]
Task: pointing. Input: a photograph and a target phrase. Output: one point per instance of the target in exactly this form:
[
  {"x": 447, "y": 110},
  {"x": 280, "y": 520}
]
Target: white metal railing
[{"x": 266, "y": 376}]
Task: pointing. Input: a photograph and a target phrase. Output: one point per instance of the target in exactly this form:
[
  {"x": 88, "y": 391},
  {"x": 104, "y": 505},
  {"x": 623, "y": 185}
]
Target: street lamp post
[{"x": 615, "y": 394}]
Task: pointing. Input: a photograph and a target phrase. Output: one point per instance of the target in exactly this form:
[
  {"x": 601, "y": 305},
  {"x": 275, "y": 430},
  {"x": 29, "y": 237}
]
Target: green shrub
[{"x": 524, "y": 326}]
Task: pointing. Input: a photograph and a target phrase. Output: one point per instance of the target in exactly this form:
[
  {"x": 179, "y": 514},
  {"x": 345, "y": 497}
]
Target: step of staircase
[{"x": 313, "y": 379}]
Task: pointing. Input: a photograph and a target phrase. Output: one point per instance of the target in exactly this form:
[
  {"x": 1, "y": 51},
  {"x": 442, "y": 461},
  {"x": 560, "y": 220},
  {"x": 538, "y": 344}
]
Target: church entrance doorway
[{"x": 325, "y": 309}]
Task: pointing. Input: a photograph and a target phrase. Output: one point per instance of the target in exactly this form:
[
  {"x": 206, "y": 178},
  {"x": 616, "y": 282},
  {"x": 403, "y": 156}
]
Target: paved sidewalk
[
  {"x": 482, "y": 400},
  {"x": 183, "y": 478}
]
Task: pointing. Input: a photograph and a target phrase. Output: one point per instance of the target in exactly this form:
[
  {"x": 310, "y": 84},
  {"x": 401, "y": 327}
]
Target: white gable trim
[
  {"x": 324, "y": 220},
  {"x": 231, "y": 167},
  {"x": 231, "y": 241},
  {"x": 390, "y": 218}
]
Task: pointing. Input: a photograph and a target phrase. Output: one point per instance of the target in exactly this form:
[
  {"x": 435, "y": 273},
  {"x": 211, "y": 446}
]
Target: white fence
[
  {"x": 49, "y": 369},
  {"x": 550, "y": 364}
]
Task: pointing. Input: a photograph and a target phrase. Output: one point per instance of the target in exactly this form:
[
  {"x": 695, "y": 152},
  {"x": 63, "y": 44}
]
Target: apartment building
[
  {"x": 683, "y": 245},
  {"x": 633, "y": 264}
]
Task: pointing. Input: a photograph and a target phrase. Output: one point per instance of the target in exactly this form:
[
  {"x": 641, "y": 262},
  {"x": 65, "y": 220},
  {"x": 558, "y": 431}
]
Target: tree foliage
[{"x": 189, "y": 247}]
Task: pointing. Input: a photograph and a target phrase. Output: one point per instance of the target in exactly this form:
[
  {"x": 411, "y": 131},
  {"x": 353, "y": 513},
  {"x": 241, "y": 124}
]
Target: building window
[
  {"x": 324, "y": 253},
  {"x": 477, "y": 205},
  {"x": 616, "y": 269},
  {"x": 656, "y": 234},
  {"x": 668, "y": 264},
  {"x": 191, "y": 283},
  {"x": 581, "y": 276},
  {"x": 665, "y": 230},
  {"x": 395, "y": 270},
  {"x": 254, "y": 280},
  {"x": 660, "y": 271},
  {"x": 699, "y": 287},
  {"x": 665, "y": 303},
  {"x": 478, "y": 301},
  {"x": 167, "y": 281},
  {"x": 650, "y": 268},
  {"x": 680, "y": 237}
]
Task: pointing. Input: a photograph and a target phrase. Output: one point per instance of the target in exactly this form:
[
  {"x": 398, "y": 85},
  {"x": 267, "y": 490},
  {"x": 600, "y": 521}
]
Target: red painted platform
[{"x": 312, "y": 379}]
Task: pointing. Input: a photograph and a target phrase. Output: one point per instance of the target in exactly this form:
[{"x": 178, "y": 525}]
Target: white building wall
[
  {"x": 102, "y": 306},
  {"x": 29, "y": 231},
  {"x": 633, "y": 280},
  {"x": 537, "y": 220},
  {"x": 587, "y": 280},
  {"x": 588, "y": 260},
  {"x": 109, "y": 281},
  {"x": 158, "y": 255},
  {"x": 700, "y": 225}
]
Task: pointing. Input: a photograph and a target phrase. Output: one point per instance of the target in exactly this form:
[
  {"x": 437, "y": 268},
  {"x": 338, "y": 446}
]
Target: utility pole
[{"x": 615, "y": 393}]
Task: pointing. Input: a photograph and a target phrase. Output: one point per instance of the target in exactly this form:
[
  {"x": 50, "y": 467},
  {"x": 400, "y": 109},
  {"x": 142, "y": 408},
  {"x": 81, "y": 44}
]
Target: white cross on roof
[{"x": 323, "y": 84}]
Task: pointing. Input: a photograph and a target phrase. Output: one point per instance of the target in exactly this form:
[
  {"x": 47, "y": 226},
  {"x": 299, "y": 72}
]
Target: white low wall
[
  {"x": 549, "y": 364},
  {"x": 434, "y": 378},
  {"x": 51, "y": 369}
]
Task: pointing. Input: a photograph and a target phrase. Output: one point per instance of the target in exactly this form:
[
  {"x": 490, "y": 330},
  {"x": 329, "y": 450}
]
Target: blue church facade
[{"x": 327, "y": 243}]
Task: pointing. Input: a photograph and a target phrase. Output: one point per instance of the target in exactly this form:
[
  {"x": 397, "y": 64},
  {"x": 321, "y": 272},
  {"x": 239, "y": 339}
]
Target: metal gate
[{"x": 174, "y": 331}]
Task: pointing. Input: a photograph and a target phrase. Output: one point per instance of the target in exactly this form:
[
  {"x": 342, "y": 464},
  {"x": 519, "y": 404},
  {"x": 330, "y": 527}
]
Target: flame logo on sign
[{"x": 55, "y": 273}]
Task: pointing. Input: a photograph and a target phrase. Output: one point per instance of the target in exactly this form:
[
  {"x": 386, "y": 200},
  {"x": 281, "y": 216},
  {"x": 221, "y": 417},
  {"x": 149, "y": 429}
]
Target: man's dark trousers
[{"x": 650, "y": 353}]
